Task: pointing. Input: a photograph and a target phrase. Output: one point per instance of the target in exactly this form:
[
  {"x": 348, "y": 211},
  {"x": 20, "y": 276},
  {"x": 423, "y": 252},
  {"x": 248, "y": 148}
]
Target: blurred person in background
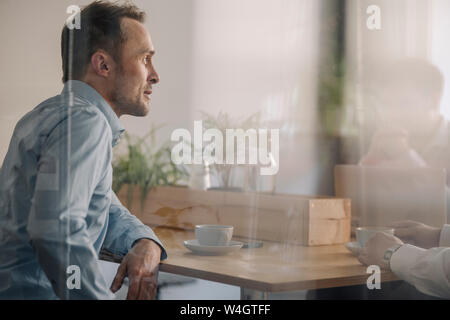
[{"x": 411, "y": 133}]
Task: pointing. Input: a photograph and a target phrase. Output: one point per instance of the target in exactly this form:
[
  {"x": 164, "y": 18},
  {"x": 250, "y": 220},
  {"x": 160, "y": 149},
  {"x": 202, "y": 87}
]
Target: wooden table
[{"x": 276, "y": 267}]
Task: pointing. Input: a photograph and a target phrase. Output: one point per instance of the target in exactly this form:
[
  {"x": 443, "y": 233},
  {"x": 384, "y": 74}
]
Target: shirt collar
[
  {"x": 441, "y": 134},
  {"x": 83, "y": 90},
  {"x": 438, "y": 139}
]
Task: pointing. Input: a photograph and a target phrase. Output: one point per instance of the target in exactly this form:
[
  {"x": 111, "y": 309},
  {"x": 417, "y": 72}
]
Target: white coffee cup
[
  {"x": 213, "y": 235},
  {"x": 363, "y": 234}
]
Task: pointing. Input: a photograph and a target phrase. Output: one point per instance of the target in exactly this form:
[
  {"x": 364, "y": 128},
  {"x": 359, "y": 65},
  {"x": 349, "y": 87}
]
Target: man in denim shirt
[{"x": 57, "y": 209}]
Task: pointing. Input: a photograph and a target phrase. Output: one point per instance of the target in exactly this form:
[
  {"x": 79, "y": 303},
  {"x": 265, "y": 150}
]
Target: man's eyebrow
[{"x": 146, "y": 50}]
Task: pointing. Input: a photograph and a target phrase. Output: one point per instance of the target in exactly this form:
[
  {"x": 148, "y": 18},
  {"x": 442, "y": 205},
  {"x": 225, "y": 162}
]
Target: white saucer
[
  {"x": 195, "y": 247},
  {"x": 353, "y": 247}
]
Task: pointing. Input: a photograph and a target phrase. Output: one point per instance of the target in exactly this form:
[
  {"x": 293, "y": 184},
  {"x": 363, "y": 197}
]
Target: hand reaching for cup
[
  {"x": 373, "y": 251},
  {"x": 417, "y": 233}
]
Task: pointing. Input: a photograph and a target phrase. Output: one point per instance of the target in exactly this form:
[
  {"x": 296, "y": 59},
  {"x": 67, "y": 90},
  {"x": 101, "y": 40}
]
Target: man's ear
[{"x": 102, "y": 64}]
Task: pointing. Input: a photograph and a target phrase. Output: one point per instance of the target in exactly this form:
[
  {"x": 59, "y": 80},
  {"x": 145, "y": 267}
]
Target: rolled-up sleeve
[
  {"x": 428, "y": 270},
  {"x": 74, "y": 157},
  {"x": 124, "y": 229}
]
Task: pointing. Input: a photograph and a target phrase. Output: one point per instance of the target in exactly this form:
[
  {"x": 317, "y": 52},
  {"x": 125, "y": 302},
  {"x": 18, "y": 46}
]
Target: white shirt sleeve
[
  {"x": 428, "y": 270},
  {"x": 445, "y": 236}
]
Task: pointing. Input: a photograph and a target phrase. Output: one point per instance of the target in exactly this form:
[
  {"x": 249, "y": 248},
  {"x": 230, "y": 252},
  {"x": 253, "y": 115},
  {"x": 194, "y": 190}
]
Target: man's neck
[
  {"x": 420, "y": 141},
  {"x": 104, "y": 93}
]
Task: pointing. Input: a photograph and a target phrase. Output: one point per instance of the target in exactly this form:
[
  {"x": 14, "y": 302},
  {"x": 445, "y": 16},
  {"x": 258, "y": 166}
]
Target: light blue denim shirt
[{"x": 57, "y": 208}]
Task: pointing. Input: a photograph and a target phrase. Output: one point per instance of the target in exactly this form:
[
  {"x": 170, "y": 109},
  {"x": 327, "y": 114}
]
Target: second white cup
[{"x": 363, "y": 234}]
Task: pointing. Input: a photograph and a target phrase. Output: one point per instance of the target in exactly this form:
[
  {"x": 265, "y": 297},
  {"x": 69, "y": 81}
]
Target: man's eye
[{"x": 146, "y": 60}]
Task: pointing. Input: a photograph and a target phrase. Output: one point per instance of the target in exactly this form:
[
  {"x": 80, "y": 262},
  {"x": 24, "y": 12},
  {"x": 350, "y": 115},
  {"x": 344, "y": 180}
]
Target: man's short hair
[{"x": 99, "y": 29}]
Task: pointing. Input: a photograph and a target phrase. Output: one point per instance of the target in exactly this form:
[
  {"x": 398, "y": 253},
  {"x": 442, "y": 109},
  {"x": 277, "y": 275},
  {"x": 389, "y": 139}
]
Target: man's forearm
[
  {"x": 427, "y": 270},
  {"x": 124, "y": 230}
]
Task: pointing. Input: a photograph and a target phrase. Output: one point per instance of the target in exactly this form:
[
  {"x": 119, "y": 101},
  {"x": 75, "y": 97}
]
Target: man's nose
[{"x": 153, "y": 76}]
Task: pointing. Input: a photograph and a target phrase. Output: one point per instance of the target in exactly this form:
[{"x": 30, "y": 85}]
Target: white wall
[
  {"x": 262, "y": 55},
  {"x": 441, "y": 47},
  {"x": 29, "y": 59}
]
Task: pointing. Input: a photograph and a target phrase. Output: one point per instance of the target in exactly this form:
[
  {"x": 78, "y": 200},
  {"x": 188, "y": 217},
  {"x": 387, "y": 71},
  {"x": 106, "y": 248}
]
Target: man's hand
[
  {"x": 417, "y": 234},
  {"x": 141, "y": 265},
  {"x": 373, "y": 252}
]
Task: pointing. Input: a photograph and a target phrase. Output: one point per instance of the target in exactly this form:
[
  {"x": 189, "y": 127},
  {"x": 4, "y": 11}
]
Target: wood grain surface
[
  {"x": 306, "y": 220},
  {"x": 275, "y": 267}
]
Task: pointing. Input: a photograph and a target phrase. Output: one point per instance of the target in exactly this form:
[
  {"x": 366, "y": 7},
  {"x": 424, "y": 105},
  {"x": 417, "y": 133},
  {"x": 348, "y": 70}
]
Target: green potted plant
[{"x": 145, "y": 166}]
